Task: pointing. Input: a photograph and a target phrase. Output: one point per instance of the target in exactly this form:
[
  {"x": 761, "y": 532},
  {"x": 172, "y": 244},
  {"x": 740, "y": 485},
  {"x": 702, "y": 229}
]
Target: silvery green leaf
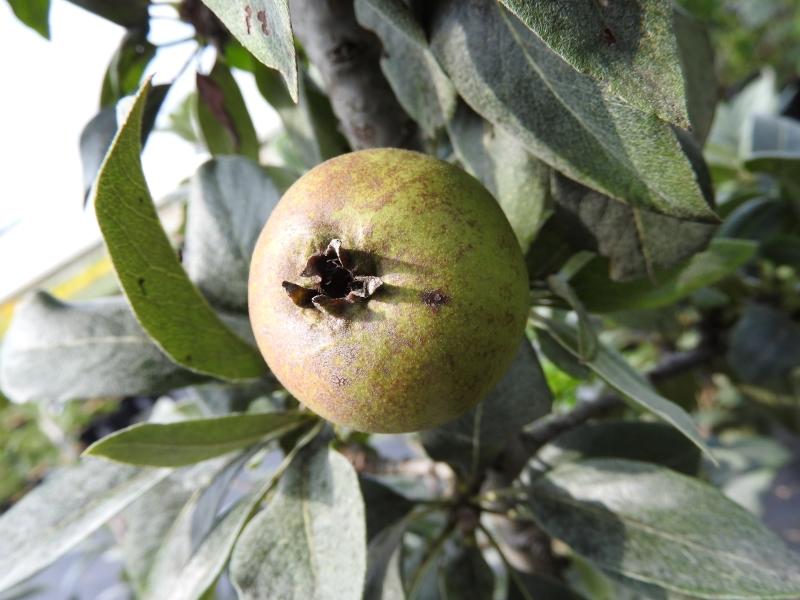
[
  {"x": 230, "y": 200},
  {"x": 653, "y": 525},
  {"x": 64, "y": 510},
  {"x": 416, "y": 78},
  {"x": 60, "y": 351},
  {"x": 612, "y": 367},
  {"x": 637, "y": 242},
  {"x": 629, "y": 46},
  {"x": 310, "y": 540},
  {"x": 519, "y": 182},
  {"x": 264, "y": 28},
  {"x": 510, "y": 77}
]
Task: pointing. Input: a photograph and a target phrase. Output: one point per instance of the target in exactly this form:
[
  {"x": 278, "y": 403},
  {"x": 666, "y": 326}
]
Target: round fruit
[{"x": 387, "y": 291}]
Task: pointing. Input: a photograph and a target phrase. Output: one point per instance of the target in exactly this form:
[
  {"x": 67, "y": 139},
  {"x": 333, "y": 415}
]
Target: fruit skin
[{"x": 407, "y": 359}]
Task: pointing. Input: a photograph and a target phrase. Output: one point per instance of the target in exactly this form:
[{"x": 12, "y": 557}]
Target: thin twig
[{"x": 673, "y": 364}]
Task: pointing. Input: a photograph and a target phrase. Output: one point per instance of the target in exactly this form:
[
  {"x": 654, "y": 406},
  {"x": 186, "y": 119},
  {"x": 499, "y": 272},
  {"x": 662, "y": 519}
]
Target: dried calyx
[{"x": 338, "y": 287}]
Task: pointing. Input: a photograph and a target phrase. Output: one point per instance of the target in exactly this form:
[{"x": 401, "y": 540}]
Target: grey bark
[{"x": 348, "y": 58}]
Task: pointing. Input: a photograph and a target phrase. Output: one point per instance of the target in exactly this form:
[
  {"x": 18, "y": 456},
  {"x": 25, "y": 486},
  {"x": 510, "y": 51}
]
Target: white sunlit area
[
  {"x": 49, "y": 237},
  {"x": 44, "y": 226},
  {"x": 399, "y": 300}
]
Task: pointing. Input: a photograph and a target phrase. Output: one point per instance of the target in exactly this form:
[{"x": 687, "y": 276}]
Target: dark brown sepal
[
  {"x": 333, "y": 306},
  {"x": 338, "y": 287},
  {"x": 302, "y": 297}
]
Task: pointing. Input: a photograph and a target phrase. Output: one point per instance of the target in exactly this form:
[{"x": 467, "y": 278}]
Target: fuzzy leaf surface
[
  {"x": 600, "y": 294},
  {"x": 417, "y": 80},
  {"x": 636, "y": 242},
  {"x": 60, "y": 351},
  {"x": 64, "y": 510},
  {"x": 231, "y": 198},
  {"x": 653, "y": 525},
  {"x": 166, "y": 303},
  {"x": 628, "y": 46},
  {"x": 510, "y": 77},
  {"x": 519, "y": 181},
  {"x": 200, "y": 542},
  {"x": 310, "y": 540}
]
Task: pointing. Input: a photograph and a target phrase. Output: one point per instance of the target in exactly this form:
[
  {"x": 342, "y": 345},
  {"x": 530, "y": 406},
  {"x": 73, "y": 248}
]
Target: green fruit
[{"x": 387, "y": 291}]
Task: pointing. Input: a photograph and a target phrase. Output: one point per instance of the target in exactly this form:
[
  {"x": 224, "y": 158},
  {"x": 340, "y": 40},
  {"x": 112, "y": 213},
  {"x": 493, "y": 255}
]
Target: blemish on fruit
[
  {"x": 435, "y": 299},
  {"x": 142, "y": 289},
  {"x": 608, "y": 37}
]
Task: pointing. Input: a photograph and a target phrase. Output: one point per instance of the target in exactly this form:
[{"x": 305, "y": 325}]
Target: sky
[{"x": 50, "y": 90}]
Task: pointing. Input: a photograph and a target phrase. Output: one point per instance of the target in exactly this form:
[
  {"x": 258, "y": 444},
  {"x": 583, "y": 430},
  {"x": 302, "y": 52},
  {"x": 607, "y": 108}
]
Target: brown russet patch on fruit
[{"x": 435, "y": 299}]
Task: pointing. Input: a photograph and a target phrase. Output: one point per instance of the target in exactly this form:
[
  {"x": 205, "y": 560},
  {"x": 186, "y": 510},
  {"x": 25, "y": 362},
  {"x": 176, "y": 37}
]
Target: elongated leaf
[
  {"x": 99, "y": 132},
  {"x": 587, "y": 338},
  {"x": 772, "y": 145},
  {"x": 187, "y": 442},
  {"x": 653, "y": 525},
  {"x": 722, "y": 258},
  {"x": 561, "y": 358},
  {"x": 511, "y": 78},
  {"x": 310, "y": 541},
  {"x": 63, "y": 511},
  {"x": 231, "y": 199},
  {"x": 629, "y": 46},
  {"x": 416, "y": 78},
  {"x": 765, "y": 348},
  {"x": 727, "y": 141},
  {"x": 222, "y": 114},
  {"x": 310, "y": 124},
  {"x": 127, "y": 66},
  {"x": 520, "y": 182},
  {"x": 165, "y": 302},
  {"x": 656, "y": 443},
  {"x": 697, "y": 61},
  {"x": 636, "y": 242},
  {"x": 466, "y": 574},
  {"x": 616, "y": 372},
  {"x": 145, "y": 523},
  {"x": 263, "y": 27},
  {"x": 191, "y": 557},
  {"x": 758, "y": 219},
  {"x": 382, "y": 551},
  {"x": 387, "y": 514},
  {"x": 34, "y": 13},
  {"x": 471, "y": 443},
  {"x": 60, "y": 351},
  {"x": 143, "y": 527},
  {"x": 128, "y": 13},
  {"x": 526, "y": 586}
]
